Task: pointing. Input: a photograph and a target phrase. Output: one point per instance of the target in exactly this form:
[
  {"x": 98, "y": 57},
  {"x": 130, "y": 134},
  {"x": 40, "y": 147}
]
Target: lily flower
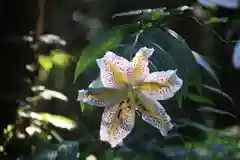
[{"x": 128, "y": 87}]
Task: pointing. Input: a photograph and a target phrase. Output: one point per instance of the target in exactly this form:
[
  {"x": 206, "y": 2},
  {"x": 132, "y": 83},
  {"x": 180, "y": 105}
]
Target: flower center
[{"x": 131, "y": 95}]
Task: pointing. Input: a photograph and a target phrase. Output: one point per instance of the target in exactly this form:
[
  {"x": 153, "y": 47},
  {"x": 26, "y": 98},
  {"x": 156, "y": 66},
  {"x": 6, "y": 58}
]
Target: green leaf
[
  {"x": 58, "y": 121},
  {"x": 1, "y": 148},
  {"x": 59, "y": 58},
  {"x": 203, "y": 63},
  {"x": 155, "y": 15},
  {"x": 97, "y": 48},
  {"x": 82, "y": 106},
  {"x": 219, "y": 91},
  {"x": 199, "y": 126},
  {"x": 216, "y": 20},
  {"x": 214, "y": 110},
  {"x": 180, "y": 100},
  {"x": 55, "y": 120},
  {"x": 199, "y": 99},
  {"x": 45, "y": 62}
]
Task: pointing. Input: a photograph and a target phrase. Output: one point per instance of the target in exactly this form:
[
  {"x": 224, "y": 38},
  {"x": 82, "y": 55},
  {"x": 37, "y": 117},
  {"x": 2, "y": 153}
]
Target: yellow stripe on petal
[
  {"x": 152, "y": 86},
  {"x": 153, "y": 113},
  {"x": 117, "y": 122},
  {"x": 115, "y": 71},
  {"x": 149, "y": 110},
  {"x": 161, "y": 85},
  {"x": 118, "y": 75},
  {"x": 101, "y": 98},
  {"x": 140, "y": 64}
]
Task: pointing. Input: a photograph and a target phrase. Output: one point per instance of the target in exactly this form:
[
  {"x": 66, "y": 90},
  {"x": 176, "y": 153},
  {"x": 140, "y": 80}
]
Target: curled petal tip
[
  {"x": 99, "y": 62},
  {"x": 146, "y": 51},
  {"x": 165, "y": 133}
]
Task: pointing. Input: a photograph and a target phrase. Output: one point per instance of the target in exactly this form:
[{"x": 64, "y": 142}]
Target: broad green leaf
[
  {"x": 59, "y": 58},
  {"x": 97, "y": 48},
  {"x": 169, "y": 48},
  {"x": 214, "y": 110},
  {"x": 45, "y": 62},
  {"x": 199, "y": 99}
]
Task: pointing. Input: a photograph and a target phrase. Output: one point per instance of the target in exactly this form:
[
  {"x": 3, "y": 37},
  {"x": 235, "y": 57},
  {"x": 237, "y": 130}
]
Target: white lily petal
[
  {"x": 103, "y": 98},
  {"x": 140, "y": 63},
  {"x": 161, "y": 85},
  {"x": 115, "y": 71},
  {"x": 117, "y": 122},
  {"x": 154, "y": 113}
]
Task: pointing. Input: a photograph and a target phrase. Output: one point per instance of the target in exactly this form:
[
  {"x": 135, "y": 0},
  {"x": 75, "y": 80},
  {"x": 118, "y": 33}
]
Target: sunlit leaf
[
  {"x": 59, "y": 58},
  {"x": 33, "y": 129},
  {"x": 1, "y": 148},
  {"x": 203, "y": 63},
  {"x": 49, "y": 94},
  {"x": 98, "y": 47},
  {"x": 55, "y": 120},
  {"x": 216, "y": 20},
  {"x": 37, "y": 88},
  {"x": 155, "y": 15},
  {"x": 199, "y": 99},
  {"x": 59, "y": 121},
  {"x": 45, "y": 62},
  {"x": 214, "y": 110},
  {"x": 43, "y": 74},
  {"x": 52, "y": 39}
]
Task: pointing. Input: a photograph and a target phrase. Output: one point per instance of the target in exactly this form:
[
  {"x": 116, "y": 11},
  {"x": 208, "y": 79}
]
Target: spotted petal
[
  {"x": 154, "y": 113},
  {"x": 101, "y": 98},
  {"x": 117, "y": 122},
  {"x": 161, "y": 85},
  {"x": 140, "y": 64},
  {"x": 115, "y": 71}
]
